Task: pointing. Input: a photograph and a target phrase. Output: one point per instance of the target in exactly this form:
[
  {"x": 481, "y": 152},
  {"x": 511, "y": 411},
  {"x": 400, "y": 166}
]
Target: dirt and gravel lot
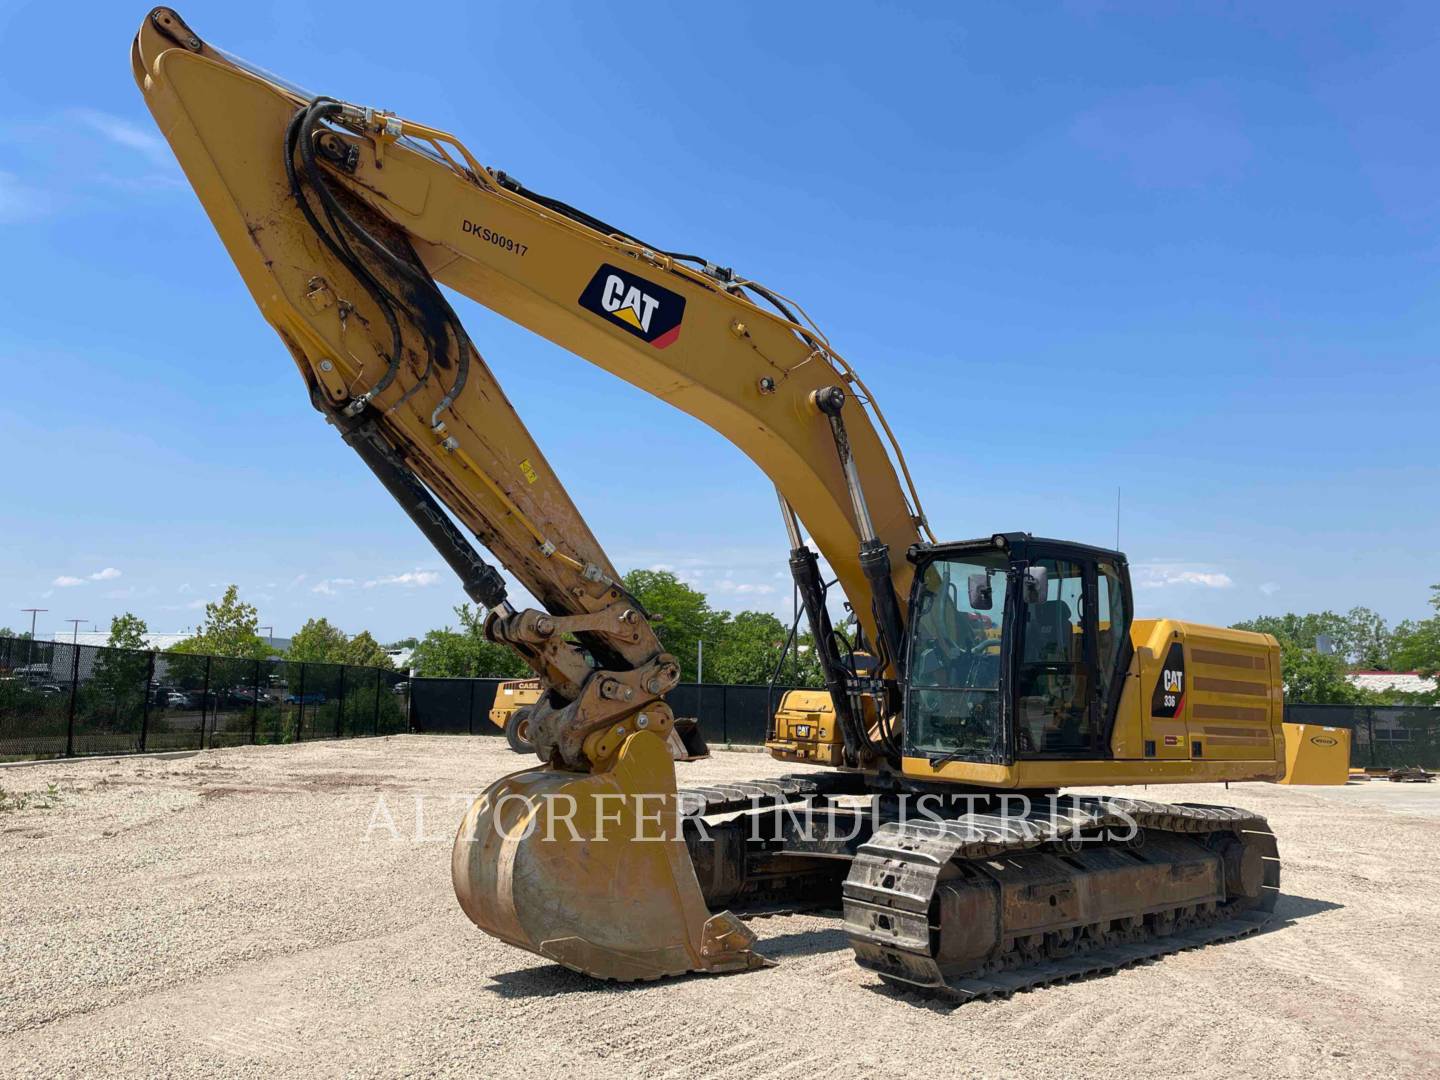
[{"x": 251, "y": 912}]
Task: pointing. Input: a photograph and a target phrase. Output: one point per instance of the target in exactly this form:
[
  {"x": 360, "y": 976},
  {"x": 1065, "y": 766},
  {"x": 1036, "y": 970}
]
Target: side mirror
[
  {"x": 982, "y": 596},
  {"x": 1037, "y": 584}
]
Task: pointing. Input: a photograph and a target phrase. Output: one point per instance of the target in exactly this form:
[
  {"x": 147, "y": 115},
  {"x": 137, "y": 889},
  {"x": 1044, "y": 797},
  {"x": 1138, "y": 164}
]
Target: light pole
[
  {"x": 75, "y": 630},
  {"x": 30, "y": 649},
  {"x": 700, "y": 661}
]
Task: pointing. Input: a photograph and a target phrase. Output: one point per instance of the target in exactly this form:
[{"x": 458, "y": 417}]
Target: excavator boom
[{"x": 342, "y": 220}]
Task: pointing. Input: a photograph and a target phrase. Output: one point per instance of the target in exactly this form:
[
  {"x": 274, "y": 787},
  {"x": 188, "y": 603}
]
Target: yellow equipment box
[
  {"x": 805, "y": 728},
  {"x": 1316, "y": 755}
]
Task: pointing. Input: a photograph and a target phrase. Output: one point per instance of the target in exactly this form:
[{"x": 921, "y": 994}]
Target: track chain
[{"x": 898, "y": 870}]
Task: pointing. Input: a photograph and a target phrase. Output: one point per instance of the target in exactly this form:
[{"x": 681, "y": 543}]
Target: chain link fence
[
  {"x": 58, "y": 699},
  {"x": 1381, "y": 736}
]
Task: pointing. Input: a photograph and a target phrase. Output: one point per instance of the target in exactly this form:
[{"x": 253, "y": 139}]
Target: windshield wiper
[{"x": 948, "y": 756}]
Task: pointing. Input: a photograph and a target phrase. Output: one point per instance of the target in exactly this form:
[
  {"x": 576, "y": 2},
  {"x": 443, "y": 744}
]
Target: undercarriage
[{"x": 963, "y": 897}]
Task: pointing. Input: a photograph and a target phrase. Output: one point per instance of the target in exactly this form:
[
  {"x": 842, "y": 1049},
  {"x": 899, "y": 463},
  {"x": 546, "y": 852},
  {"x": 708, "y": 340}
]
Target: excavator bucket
[
  {"x": 691, "y": 744},
  {"x": 590, "y": 870}
]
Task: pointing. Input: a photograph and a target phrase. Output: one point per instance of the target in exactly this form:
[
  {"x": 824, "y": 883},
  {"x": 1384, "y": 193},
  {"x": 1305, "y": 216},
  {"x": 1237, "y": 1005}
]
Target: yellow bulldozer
[{"x": 1004, "y": 668}]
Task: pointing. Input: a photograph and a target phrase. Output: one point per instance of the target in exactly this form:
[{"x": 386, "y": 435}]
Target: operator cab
[{"x": 1018, "y": 648}]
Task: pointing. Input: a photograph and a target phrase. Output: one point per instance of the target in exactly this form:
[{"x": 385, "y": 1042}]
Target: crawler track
[
  {"x": 901, "y": 920},
  {"x": 891, "y": 897}
]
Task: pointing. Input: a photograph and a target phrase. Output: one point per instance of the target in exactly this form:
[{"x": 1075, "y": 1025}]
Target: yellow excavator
[{"x": 975, "y": 680}]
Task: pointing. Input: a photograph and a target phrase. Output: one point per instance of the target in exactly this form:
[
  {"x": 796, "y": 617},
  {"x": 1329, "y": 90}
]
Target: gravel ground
[{"x": 249, "y": 912}]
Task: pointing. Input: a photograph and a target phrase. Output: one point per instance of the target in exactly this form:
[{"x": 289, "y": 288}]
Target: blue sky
[{"x": 1186, "y": 250}]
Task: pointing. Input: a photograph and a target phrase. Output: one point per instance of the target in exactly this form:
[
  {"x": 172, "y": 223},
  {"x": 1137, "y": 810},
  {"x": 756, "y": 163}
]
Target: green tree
[
  {"x": 404, "y": 643},
  {"x": 231, "y": 628},
  {"x": 1416, "y": 644},
  {"x": 1301, "y": 630},
  {"x": 318, "y": 642},
  {"x": 122, "y": 671},
  {"x": 681, "y": 615},
  {"x": 465, "y": 653},
  {"x": 1317, "y": 679},
  {"x": 365, "y": 650},
  {"x": 127, "y": 631},
  {"x": 748, "y": 647},
  {"x": 743, "y": 647},
  {"x": 1368, "y": 640},
  {"x": 1360, "y": 636}
]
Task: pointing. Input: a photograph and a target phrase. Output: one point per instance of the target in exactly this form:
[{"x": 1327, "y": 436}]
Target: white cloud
[
  {"x": 411, "y": 579},
  {"x": 66, "y": 581},
  {"x": 1269, "y": 588},
  {"x": 123, "y": 133},
  {"x": 1163, "y": 575},
  {"x": 331, "y": 586}
]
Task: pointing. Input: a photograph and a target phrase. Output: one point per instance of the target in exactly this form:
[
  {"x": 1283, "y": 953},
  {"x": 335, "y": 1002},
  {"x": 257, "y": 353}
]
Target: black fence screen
[
  {"x": 59, "y": 699},
  {"x": 727, "y": 714},
  {"x": 453, "y": 706},
  {"x": 1381, "y": 736}
]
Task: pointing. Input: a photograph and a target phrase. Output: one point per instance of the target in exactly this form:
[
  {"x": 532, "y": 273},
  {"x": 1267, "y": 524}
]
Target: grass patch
[{"x": 40, "y": 800}]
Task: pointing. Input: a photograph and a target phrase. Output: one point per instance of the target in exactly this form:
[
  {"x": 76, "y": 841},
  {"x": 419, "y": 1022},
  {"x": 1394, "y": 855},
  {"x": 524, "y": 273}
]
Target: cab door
[{"x": 1058, "y": 697}]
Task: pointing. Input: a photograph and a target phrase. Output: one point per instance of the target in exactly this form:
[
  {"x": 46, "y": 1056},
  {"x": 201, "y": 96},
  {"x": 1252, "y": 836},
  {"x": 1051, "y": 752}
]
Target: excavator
[{"x": 973, "y": 685}]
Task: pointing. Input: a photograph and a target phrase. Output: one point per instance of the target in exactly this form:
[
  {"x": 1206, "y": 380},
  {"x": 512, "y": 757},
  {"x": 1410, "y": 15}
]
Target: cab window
[
  {"x": 1112, "y": 626},
  {"x": 953, "y": 703},
  {"x": 1054, "y": 690}
]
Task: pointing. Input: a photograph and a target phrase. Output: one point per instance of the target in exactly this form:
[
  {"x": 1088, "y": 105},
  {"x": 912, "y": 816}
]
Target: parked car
[
  {"x": 177, "y": 700},
  {"x": 401, "y": 687},
  {"x": 315, "y": 697}
]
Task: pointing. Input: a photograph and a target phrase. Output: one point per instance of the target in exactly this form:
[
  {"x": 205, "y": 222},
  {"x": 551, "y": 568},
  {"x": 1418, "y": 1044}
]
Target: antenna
[{"x": 1117, "y": 519}]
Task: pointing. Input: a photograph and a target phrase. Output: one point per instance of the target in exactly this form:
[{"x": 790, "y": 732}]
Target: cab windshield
[{"x": 953, "y": 706}]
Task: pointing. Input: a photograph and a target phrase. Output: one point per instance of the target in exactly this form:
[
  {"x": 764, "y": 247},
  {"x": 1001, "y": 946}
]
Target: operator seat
[{"x": 1049, "y": 631}]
